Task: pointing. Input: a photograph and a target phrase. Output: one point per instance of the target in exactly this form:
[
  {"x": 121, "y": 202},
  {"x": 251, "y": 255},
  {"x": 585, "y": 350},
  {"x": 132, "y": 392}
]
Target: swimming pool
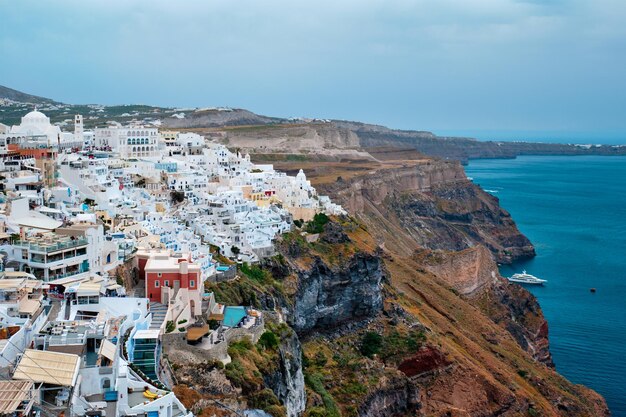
[{"x": 233, "y": 315}]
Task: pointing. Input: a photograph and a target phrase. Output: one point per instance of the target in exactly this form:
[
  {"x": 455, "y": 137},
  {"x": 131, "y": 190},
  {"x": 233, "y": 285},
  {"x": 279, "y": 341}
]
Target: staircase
[{"x": 159, "y": 311}]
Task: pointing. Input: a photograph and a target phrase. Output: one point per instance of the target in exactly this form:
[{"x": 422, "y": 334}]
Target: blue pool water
[
  {"x": 574, "y": 210},
  {"x": 233, "y": 316}
]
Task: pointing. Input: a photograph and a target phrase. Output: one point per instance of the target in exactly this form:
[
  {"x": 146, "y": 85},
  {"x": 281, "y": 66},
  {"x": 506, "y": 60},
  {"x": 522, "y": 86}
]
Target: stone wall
[{"x": 175, "y": 344}]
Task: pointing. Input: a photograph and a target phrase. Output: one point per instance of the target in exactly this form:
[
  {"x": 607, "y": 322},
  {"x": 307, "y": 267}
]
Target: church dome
[{"x": 35, "y": 117}]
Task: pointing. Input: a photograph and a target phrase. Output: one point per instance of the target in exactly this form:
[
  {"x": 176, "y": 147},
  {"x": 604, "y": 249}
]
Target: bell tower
[{"x": 78, "y": 129}]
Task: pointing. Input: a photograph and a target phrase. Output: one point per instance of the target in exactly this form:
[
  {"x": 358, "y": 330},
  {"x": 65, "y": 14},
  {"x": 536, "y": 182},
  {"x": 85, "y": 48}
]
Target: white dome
[{"x": 35, "y": 117}]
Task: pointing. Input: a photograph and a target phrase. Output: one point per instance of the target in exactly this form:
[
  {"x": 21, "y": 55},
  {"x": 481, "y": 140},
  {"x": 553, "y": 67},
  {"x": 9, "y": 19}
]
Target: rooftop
[
  {"x": 146, "y": 334},
  {"x": 48, "y": 367},
  {"x": 50, "y": 242},
  {"x": 44, "y": 222},
  {"x": 13, "y": 394},
  {"x": 160, "y": 263}
]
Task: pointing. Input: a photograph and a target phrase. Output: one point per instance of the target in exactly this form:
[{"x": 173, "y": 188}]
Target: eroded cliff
[
  {"x": 430, "y": 203},
  {"x": 328, "y": 296}
]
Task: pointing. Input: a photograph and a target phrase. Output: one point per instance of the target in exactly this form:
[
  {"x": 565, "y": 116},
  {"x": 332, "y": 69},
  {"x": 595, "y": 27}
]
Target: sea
[{"x": 573, "y": 209}]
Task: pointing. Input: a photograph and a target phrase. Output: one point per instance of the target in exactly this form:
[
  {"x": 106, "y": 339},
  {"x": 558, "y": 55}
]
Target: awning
[
  {"x": 29, "y": 306},
  {"x": 18, "y": 274},
  {"x": 48, "y": 367},
  {"x": 88, "y": 288},
  {"x": 12, "y": 394},
  {"x": 107, "y": 349}
]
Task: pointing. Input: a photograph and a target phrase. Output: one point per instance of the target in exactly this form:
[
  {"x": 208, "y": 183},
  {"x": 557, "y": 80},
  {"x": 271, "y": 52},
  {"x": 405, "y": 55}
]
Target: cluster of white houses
[{"x": 80, "y": 215}]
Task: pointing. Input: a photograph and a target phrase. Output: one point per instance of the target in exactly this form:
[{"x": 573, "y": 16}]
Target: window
[
  {"x": 166, "y": 283},
  {"x": 160, "y": 274},
  {"x": 156, "y": 283},
  {"x": 192, "y": 283}
]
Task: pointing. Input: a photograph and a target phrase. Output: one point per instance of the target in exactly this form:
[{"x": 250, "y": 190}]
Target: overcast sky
[{"x": 489, "y": 68}]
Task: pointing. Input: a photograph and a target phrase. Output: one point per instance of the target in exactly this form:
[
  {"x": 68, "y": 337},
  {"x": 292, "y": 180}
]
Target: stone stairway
[{"x": 159, "y": 311}]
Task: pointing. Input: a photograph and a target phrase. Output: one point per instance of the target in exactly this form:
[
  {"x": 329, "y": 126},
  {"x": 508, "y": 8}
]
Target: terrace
[{"x": 50, "y": 243}]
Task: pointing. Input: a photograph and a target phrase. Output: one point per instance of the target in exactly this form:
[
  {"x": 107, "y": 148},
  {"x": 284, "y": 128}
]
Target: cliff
[
  {"x": 474, "y": 275},
  {"x": 328, "y": 296},
  {"x": 378, "y": 333},
  {"x": 462, "y": 148},
  {"x": 287, "y": 379},
  {"x": 433, "y": 205}
]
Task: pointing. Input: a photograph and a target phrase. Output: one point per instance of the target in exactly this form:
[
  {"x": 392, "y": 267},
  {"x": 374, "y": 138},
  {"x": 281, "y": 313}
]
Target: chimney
[{"x": 183, "y": 266}]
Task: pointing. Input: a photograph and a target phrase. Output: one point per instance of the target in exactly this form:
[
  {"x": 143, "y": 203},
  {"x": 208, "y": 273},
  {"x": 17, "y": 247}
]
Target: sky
[{"x": 493, "y": 69}]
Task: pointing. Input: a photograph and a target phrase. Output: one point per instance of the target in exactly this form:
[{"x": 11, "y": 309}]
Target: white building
[
  {"x": 35, "y": 127},
  {"x": 129, "y": 142}
]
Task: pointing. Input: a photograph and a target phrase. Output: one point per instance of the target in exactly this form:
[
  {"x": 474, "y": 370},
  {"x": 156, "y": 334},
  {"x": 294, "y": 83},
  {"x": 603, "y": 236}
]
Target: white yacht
[{"x": 525, "y": 278}]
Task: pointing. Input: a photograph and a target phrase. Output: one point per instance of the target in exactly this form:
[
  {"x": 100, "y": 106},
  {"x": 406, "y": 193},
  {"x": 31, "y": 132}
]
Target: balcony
[
  {"x": 67, "y": 262},
  {"x": 54, "y": 246},
  {"x": 53, "y": 277}
]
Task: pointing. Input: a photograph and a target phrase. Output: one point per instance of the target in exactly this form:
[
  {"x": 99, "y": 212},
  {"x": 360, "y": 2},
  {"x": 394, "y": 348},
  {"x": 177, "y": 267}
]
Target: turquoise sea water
[{"x": 573, "y": 209}]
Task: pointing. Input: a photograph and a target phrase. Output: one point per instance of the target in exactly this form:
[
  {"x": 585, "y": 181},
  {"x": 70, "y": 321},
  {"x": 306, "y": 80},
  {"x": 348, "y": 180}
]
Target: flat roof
[
  {"x": 64, "y": 281},
  {"x": 45, "y": 209},
  {"x": 48, "y": 367},
  {"x": 146, "y": 334},
  {"x": 28, "y": 306},
  {"x": 12, "y": 394},
  {"x": 169, "y": 264},
  {"x": 18, "y": 274},
  {"x": 12, "y": 283},
  {"x": 39, "y": 223},
  {"x": 89, "y": 288}
]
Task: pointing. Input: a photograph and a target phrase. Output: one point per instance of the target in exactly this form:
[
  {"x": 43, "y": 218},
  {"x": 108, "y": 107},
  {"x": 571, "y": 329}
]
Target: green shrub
[
  {"x": 317, "y": 224},
  {"x": 263, "y": 399},
  {"x": 317, "y": 412},
  {"x": 397, "y": 344},
  {"x": 268, "y": 340},
  {"x": 235, "y": 373},
  {"x": 169, "y": 326},
  {"x": 239, "y": 347},
  {"x": 314, "y": 381},
  {"x": 183, "y": 321},
  {"x": 371, "y": 344},
  {"x": 254, "y": 272},
  {"x": 320, "y": 359},
  {"x": 533, "y": 413}
]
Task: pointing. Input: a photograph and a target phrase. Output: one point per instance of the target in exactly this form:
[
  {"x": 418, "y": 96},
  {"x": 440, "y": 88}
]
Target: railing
[
  {"x": 65, "y": 275},
  {"x": 52, "y": 247}
]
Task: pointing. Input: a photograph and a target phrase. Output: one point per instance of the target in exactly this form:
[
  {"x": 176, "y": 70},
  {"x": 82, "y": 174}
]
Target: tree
[
  {"x": 235, "y": 250},
  {"x": 371, "y": 344},
  {"x": 177, "y": 196}
]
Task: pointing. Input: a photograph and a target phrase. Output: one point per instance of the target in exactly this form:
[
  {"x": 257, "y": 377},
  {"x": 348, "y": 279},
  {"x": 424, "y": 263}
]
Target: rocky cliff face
[
  {"x": 474, "y": 274},
  {"x": 328, "y": 296},
  {"x": 394, "y": 396},
  {"x": 287, "y": 381},
  {"x": 432, "y": 204},
  {"x": 470, "y": 271},
  {"x": 517, "y": 310},
  {"x": 461, "y": 148}
]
